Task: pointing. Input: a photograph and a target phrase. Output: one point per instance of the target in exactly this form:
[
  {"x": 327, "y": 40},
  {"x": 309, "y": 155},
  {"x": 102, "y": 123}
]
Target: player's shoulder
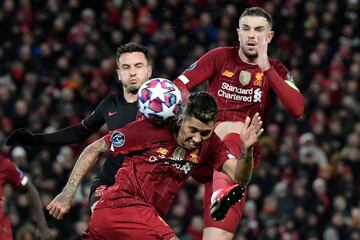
[
  {"x": 276, "y": 63},
  {"x": 142, "y": 124},
  {"x": 115, "y": 97},
  {"x": 212, "y": 142},
  {"x": 5, "y": 162},
  {"x": 226, "y": 50}
]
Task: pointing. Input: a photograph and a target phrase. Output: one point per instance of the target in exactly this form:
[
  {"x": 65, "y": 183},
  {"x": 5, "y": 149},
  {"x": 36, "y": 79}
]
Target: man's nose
[
  {"x": 197, "y": 138},
  {"x": 132, "y": 71},
  {"x": 251, "y": 33}
]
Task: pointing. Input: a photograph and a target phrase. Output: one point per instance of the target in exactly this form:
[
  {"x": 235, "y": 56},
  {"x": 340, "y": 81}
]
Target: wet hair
[
  {"x": 257, "y": 12},
  {"x": 130, "y": 48},
  {"x": 202, "y": 106}
]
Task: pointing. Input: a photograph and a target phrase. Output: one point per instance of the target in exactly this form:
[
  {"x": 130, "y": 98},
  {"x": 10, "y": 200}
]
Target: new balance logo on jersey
[
  {"x": 111, "y": 113},
  {"x": 240, "y": 94},
  {"x": 228, "y": 74}
]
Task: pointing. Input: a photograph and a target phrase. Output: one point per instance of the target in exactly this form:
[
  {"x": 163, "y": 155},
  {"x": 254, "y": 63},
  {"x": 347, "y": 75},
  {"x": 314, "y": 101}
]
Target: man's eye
[{"x": 205, "y": 133}]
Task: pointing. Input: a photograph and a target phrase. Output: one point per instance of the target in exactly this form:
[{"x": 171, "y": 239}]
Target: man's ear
[
  {"x": 149, "y": 71},
  {"x": 270, "y": 36}
]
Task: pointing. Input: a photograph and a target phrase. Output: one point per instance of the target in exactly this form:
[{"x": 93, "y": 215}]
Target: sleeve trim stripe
[
  {"x": 83, "y": 124},
  {"x": 184, "y": 79},
  {"x": 24, "y": 180},
  {"x": 292, "y": 85}
]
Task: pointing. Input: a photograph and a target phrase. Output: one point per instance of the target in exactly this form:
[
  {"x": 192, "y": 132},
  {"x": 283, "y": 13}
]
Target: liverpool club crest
[{"x": 244, "y": 77}]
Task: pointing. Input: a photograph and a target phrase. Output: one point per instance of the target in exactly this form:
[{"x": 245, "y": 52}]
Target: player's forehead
[
  {"x": 192, "y": 122},
  {"x": 253, "y": 21},
  {"x": 132, "y": 58}
]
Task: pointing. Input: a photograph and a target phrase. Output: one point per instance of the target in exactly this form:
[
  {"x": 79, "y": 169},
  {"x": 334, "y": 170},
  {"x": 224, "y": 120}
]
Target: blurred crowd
[{"x": 57, "y": 62}]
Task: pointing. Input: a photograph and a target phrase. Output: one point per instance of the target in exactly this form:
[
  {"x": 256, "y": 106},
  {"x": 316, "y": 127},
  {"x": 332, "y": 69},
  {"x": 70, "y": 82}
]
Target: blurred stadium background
[{"x": 57, "y": 62}]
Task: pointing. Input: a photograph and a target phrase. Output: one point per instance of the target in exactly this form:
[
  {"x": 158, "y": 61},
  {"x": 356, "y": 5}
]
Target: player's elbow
[
  {"x": 297, "y": 109},
  {"x": 298, "y": 112}
]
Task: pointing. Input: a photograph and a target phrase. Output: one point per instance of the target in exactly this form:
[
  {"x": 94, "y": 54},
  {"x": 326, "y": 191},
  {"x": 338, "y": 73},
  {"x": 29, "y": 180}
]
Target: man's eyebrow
[
  {"x": 260, "y": 27},
  {"x": 256, "y": 27}
]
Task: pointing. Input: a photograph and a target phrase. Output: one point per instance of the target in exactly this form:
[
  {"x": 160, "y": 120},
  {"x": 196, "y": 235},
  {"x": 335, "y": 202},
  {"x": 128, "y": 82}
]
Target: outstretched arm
[
  {"x": 240, "y": 171},
  {"x": 61, "y": 204},
  {"x": 44, "y": 231},
  {"x": 73, "y": 134},
  {"x": 69, "y": 135}
]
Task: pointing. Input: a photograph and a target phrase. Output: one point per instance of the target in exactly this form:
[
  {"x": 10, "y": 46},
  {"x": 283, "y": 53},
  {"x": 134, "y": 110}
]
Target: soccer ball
[{"x": 159, "y": 99}]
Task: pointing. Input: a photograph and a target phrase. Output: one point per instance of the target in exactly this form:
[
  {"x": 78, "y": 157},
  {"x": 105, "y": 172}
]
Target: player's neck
[
  {"x": 251, "y": 61},
  {"x": 130, "y": 97}
]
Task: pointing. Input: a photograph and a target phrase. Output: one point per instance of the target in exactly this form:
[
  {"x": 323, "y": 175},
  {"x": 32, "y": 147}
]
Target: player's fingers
[
  {"x": 260, "y": 132},
  {"x": 52, "y": 210},
  {"x": 50, "y": 205},
  {"x": 258, "y": 126},
  {"x": 63, "y": 211},
  {"x": 60, "y": 215},
  {"x": 247, "y": 122},
  {"x": 56, "y": 212}
]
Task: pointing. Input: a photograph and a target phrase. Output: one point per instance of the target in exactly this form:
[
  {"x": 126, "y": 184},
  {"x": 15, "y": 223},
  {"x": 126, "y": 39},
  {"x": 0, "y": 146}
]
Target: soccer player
[
  {"x": 243, "y": 80},
  {"x": 157, "y": 164},
  {"x": 9, "y": 173},
  {"x": 117, "y": 110}
]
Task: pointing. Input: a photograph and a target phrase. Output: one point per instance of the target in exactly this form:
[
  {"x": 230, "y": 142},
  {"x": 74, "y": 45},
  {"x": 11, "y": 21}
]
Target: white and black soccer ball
[{"x": 159, "y": 99}]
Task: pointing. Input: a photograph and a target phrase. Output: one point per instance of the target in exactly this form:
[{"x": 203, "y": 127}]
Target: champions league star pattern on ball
[{"x": 159, "y": 99}]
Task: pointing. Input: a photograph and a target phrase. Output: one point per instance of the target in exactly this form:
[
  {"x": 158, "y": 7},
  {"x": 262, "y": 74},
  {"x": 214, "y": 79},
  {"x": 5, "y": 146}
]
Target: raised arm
[
  {"x": 285, "y": 90},
  {"x": 240, "y": 170},
  {"x": 61, "y": 204}
]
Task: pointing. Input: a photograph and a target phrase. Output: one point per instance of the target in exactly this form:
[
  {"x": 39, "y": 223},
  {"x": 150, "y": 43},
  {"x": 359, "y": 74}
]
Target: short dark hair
[
  {"x": 202, "y": 106},
  {"x": 130, "y": 48},
  {"x": 258, "y": 12}
]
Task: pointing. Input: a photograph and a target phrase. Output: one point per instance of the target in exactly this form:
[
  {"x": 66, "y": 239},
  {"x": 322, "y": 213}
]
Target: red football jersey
[
  {"x": 240, "y": 89},
  {"x": 9, "y": 173},
  {"x": 156, "y": 165}
]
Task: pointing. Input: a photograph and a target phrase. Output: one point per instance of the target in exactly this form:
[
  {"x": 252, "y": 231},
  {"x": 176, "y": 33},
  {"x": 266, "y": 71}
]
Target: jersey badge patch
[
  {"x": 289, "y": 77},
  {"x": 259, "y": 79},
  {"x": 244, "y": 77},
  {"x": 117, "y": 139},
  {"x": 179, "y": 153},
  {"x": 194, "y": 157}
]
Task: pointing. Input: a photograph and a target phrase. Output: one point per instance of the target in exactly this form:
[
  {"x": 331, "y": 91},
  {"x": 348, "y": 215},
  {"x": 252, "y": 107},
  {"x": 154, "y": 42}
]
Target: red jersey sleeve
[
  {"x": 130, "y": 138},
  {"x": 285, "y": 89},
  {"x": 201, "y": 70},
  {"x": 120, "y": 141},
  {"x": 14, "y": 176}
]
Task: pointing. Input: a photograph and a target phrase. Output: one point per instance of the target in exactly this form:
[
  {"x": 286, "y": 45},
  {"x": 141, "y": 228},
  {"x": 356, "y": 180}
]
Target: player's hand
[
  {"x": 251, "y": 131},
  {"x": 263, "y": 58},
  {"x": 44, "y": 233},
  {"x": 60, "y": 205},
  {"x": 20, "y": 136}
]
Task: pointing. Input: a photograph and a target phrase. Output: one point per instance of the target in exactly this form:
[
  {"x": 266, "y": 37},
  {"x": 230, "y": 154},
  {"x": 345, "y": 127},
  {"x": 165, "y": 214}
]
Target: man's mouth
[
  {"x": 133, "y": 80},
  {"x": 250, "y": 44},
  {"x": 192, "y": 144}
]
